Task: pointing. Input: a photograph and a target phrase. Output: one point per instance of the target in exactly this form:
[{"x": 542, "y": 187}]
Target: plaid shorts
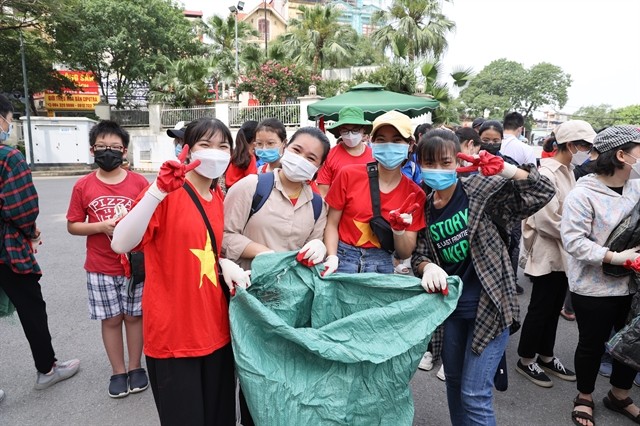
[{"x": 108, "y": 296}]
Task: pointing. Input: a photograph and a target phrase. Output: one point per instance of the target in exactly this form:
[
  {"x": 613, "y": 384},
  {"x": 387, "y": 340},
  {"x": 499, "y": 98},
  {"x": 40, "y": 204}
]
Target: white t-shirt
[{"x": 517, "y": 150}]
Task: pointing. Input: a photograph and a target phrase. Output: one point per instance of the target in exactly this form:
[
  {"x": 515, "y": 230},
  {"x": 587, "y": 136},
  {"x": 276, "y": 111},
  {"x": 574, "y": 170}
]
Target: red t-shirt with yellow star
[
  {"x": 350, "y": 193},
  {"x": 185, "y": 311}
]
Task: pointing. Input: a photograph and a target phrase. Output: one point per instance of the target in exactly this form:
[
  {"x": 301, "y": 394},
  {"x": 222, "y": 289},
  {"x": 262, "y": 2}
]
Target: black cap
[
  {"x": 176, "y": 134},
  {"x": 477, "y": 122}
]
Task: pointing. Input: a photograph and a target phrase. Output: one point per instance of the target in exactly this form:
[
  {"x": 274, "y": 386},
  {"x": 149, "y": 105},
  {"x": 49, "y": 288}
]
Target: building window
[{"x": 263, "y": 28}]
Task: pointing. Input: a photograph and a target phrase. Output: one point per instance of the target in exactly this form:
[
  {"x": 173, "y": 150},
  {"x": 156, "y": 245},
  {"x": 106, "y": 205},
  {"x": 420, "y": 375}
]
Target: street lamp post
[{"x": 235, "y": 10}]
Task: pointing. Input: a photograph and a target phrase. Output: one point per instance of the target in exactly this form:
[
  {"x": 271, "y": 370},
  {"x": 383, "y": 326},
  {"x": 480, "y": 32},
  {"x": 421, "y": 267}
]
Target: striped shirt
[
  {"x": 19, "y": 210},
  {"x": 494, "y": 203}
]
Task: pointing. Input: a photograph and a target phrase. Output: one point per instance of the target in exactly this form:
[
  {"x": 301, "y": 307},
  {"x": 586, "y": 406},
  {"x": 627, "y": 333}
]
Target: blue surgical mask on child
[
  {"x": 439, "y": 179},
  {"x": 390, "y": 155},
  {"x": 268, "y": 155}
]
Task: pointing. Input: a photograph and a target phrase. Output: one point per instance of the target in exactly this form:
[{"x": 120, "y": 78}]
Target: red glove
[
  {"x": 487, "y": 164},
  {"x": 400, "y": 219},
  {"x": 172, "y": 173},
  {"x": 633, "y": 265}
]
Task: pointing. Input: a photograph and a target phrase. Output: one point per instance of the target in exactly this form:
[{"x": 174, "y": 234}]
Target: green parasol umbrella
[{"x": 374, "y": 100}]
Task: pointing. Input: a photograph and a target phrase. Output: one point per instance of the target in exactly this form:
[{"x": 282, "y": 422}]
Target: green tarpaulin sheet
[
  {"x": 339, "y": 350},
  {"x": 6, "y": 307}
]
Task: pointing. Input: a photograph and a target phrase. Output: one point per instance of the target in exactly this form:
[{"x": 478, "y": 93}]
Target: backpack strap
[
  {"x": 316, "y": 202},
  {"x": 374, "y": 188},
  {"x": 265, "y": 184},
  {"x": 263, "y": 190}
]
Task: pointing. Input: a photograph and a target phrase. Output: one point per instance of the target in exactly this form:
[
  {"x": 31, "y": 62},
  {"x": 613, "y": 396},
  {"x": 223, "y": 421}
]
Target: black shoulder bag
[
  {"x": 378, "y": 224},
  {"x": 196, "y": 201}
]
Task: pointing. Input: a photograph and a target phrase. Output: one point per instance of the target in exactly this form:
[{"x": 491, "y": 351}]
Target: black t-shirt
[{"x": 448, "y": 229}]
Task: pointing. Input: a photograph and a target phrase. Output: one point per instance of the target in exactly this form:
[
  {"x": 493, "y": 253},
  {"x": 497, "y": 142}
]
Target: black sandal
[
  {"x": 619, "y": 405},
  {"x": 576, "y": 414}
]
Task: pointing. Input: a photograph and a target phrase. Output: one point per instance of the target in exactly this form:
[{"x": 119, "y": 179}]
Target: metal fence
[
  {"x": 169, "y": 117},
  {"x": 130, "y": 117},
  {"x": 288, "y": 114}
]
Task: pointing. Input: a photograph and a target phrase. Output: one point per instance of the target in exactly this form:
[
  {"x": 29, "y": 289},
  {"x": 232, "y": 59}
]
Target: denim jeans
[
  {"x": 355, "y": 259},
  {"x": 470, "y": 376}
]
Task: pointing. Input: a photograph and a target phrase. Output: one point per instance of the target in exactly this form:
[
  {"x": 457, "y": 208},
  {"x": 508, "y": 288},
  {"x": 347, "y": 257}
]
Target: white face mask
[
  {"x": 297, "y": 168},
  {"x": 635, "y": 168},
  {"x": 579, "y": 157},
  {"x": 352, "y": 139},
  {"x": 213, "y": 162}
]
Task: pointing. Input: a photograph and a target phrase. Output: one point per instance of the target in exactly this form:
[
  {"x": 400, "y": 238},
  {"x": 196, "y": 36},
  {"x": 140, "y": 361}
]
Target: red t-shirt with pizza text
[
  {"x": 94, "y": 201},
  {"x": 350, "y": 193},
  {"x": 185, "y": 311},
  {"x": 337, "y": 159}
]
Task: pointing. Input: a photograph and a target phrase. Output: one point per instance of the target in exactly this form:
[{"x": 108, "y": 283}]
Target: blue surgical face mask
[
  {"x": 390, "y": 155},
  {"x": 5, "y": 135},
  {"x": 268, "y": 155},
  {"x": 439, "y": 179}
]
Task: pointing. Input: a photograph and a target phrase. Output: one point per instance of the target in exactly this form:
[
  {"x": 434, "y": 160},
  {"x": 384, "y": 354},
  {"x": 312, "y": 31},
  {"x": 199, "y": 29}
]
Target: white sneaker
[
  {"x": 426, "y": 363},
  {"x": 440, "y": 374},
  {"x": 60, "y": 371}
]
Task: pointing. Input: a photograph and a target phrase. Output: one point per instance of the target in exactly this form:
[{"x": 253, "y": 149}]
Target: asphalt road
[{"x": 83, "y": 400}]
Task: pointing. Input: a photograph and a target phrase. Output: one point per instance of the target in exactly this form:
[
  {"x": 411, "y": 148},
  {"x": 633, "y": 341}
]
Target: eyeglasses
[
  {"x": 118, "y": 148},
  {"x": 345, "y": 132}
]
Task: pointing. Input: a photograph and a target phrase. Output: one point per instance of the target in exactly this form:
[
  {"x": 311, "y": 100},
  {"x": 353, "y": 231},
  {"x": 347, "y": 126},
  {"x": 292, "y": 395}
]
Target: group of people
[{"x": 446, "y": 201}]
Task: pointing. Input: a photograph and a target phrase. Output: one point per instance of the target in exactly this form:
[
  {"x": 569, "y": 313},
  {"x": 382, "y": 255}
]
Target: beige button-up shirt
[
  {"x": 279, "y": 225},
  {"x": 541, "y": 238}
]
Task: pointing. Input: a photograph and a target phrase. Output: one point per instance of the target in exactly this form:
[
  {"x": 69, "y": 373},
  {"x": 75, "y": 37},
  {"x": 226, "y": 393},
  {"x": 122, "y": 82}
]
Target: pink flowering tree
[{"x": 273, "y": 82}]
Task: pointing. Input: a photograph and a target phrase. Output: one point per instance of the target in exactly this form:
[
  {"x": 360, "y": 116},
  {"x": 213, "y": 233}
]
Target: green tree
[
  {"x": 318, "y": 39},
  {"x": 31, "y": 18},
  {"x": 598, "y": 116},
  {"x": 185, "y": 82},
  {"x": 222, "y": 33},
  {"x": 450, "y": 107},
  {"x": 628, "y": 115},
  {"x": 123, "y": 42},
  {"x": 411, "y": 29},
  {"x": 505, "y": 85}
]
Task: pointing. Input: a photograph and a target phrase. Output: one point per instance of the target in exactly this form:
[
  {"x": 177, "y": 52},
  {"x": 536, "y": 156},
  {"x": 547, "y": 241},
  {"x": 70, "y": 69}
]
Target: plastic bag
[
  {"x": 339, "y": 350},
  {"x": 6, "y": 307}
]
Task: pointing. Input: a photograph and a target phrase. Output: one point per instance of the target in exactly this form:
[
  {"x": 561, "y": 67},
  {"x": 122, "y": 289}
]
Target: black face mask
[
  {"x": 491, "y": 148},
  {"x": 108, "y": 160}
]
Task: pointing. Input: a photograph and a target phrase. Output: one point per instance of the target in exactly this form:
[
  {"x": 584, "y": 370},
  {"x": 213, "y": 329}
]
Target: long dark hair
[
  {"x": 435, "y": 144},
  {"x": 241, "y": 156}
]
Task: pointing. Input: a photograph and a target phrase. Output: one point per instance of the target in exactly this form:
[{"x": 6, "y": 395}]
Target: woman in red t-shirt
[
  {"x": 352, "y": 245},
  {"x": 187, "y": 340},
  {"x": 243, "y": 159}
]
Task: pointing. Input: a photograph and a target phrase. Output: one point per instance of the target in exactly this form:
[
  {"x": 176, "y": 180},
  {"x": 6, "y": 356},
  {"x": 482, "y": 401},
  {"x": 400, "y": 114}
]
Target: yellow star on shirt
[
  {"x": 367, "y": 234},
  {"x": 207, "y": 262}
]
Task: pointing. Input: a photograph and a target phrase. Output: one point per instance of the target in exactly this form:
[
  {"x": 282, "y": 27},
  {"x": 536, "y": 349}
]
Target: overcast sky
[{"x": 597, "y": 42}]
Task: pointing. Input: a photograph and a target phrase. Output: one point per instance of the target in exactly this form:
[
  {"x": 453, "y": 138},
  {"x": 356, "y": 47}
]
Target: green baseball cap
[{"x": 349, "y": 115}]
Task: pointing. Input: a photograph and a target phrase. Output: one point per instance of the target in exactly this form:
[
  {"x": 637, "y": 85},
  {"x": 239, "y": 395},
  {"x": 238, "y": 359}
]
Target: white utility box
[{"x": 58, "y": 140}]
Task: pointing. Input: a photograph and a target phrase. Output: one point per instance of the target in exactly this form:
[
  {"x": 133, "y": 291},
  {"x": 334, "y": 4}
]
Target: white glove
[
  {"x": 434, "y": 279},
  {"x": 509, "y": 171},
  {"x": 619, "y": 258},
  {"x": 156, "y": 192},
  {"x": 330, "y": 265},
  {"x": 234, "y": 275},
  {"x": 312, "y": 253}
]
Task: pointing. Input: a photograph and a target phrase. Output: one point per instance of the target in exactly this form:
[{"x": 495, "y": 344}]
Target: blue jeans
[
  {"x": 470, "y": 376},
  {"x": 355, "y": 259}
]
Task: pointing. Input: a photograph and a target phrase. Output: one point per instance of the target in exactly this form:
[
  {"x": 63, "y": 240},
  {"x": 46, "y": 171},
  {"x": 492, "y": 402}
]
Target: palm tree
[
  {"x": 412, "y": 29},
  {"x": 222, "y": 32},
  {"x": 447, "y": 112},
  {"x": 318, "y": 39},
  {"x": 185, "y": 82}
]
